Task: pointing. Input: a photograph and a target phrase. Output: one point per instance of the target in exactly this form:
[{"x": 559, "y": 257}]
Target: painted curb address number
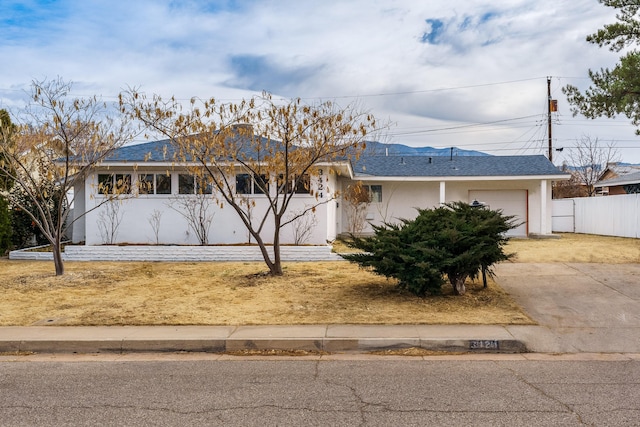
[{"x": 483, "y": 345}]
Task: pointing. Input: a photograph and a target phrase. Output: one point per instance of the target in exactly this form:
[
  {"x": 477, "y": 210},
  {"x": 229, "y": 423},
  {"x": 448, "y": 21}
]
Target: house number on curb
[{"x": 485, "y": 344}]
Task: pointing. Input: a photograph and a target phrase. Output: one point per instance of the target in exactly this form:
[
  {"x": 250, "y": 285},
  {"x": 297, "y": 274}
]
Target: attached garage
[{"x": 511, "y": 202}]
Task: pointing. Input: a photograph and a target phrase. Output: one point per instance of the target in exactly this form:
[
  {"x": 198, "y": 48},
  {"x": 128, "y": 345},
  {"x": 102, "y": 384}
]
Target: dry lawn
[
  {"x": 128, "y": 293},
  {"x": 124, "y": 293},
  {"x": 577, "y": 248}
]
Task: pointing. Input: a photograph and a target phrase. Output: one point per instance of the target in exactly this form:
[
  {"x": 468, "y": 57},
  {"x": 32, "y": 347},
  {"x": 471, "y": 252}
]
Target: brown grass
[
  {"x": 577, "y": 248},
  {"x": 135, "y": 293},
  {"x": 128, "y": 293}
]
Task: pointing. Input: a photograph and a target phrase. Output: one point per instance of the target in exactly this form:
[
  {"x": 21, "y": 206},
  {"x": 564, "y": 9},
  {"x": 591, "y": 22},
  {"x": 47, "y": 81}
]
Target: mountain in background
[{"x": 379, "y": 149}]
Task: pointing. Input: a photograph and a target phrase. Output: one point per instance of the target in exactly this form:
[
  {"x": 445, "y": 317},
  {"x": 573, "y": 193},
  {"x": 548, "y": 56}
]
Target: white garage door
[{"x": 512, "y": 202}]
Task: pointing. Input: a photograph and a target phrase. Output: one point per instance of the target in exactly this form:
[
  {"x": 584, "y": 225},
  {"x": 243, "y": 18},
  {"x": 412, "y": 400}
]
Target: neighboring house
[
  {"x": 628, "y": 183},
  {"x": 519, "y": 185}
]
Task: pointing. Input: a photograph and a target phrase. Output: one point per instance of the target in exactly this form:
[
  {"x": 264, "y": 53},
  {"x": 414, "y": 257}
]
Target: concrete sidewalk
[
  {"x": 580, "y": 308},
  {"x": 324, "y": 338}
]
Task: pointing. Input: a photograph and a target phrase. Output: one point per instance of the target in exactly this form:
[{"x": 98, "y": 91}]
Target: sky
[{"x": 444, "y": 73}]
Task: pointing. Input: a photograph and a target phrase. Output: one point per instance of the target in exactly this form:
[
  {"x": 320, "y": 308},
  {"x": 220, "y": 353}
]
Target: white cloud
[{"x": 379, "y": 50}]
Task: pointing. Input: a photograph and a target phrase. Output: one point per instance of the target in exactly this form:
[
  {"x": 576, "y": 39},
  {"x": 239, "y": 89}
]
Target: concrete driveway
[{"x": 579, "y": 307}]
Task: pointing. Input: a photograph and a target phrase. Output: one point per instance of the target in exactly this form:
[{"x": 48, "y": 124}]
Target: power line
[{"x": 464, "y": 126}]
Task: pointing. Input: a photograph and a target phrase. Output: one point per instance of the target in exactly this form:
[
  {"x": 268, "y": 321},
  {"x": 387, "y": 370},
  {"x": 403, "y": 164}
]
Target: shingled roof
[
  {"x": 630, "y": 178},
  {"x": 155, "y": 151},
  {"x": 384, "y": 166},
  {"x": 441, "y": 166},
  {"x": 165, "y": 151}
]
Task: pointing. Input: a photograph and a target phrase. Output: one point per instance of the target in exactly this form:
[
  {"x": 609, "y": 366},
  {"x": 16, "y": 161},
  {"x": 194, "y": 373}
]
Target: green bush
[
  {"x": 456, "y": 240},
  {"x": 25, "y": 229},
  {"x": 5, "y": 226}
]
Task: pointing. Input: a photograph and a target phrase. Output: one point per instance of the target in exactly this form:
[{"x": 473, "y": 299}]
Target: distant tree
[
  {"x": 589, "y": 158},
  {"x": 25, "y": 230},
  {"x": 260, "y": 146},
  {"x": 613, "y": 91},
  {"x": 456, "y": 240},
  {"x": 572, "y": 187},
  {"x": 57, "y": 142},
  {"x": 7, "y": 129},
  {"x": 5, "y": 226},
  {"x": 5, "y": 184}
]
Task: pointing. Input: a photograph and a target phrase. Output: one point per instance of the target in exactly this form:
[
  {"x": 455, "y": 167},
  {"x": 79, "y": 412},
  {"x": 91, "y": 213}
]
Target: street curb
[{"x": 329, "y": 345}]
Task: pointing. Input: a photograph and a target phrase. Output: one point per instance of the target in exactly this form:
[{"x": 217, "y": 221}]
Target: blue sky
[{"x": 464, "y": 73}]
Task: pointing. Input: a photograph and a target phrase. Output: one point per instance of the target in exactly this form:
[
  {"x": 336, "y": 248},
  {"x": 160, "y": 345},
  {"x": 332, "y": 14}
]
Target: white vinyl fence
[{"x": 608, "y": 215}]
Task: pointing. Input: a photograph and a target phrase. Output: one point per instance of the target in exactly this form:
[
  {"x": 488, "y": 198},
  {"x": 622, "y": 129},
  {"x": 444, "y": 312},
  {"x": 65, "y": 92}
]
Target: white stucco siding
[
  {"x": 400, "y": 200},
  {"x": 520, "y": 196},
  {"x": 79, "y": 203},
  {"x": 510, "y": 202},
  {"x": 226, "y": 227}
]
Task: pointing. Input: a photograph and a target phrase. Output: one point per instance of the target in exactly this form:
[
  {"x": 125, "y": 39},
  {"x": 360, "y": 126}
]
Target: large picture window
[{"x": 114, "y": 183}]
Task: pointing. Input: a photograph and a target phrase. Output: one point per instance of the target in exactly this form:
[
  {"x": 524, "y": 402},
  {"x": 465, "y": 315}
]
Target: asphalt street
[{"x": 375, "y": 392}]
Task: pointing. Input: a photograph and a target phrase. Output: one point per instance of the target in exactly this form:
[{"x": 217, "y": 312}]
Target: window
[
  {"x": 299, "y": 186},
  {"x": 190, "y": 184},
  {"x": 246, "y": 185},
  {"x": 375, "y": 193},
  {"x": 154, "y": 184},
  {"x": 303, "y": 185},
  {"x": 119, "y": 183},
  {"x": 243, "y": 183},
  {"x": 203, "y": 186},
  {"x": 163, "y": 184},
  {"x": 260, "y": 184},
  {"x": 186, "y": 184}
]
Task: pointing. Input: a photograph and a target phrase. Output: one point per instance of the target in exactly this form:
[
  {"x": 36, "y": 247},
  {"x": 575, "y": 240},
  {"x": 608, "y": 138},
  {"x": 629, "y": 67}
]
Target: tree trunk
[
  {"x": 56, "y": 248},
  {"x": 276, "y": 269},
  {"x": 458, "y": 285}
]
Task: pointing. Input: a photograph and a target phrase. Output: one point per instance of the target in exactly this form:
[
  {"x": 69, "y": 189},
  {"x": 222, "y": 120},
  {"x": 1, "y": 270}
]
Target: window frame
[
  {"x": 374, "y": 196},
  {"x": 196, "y": 185},
  {"x": 294, "y": 186},
  {"x": 251, "y": 185},
  {"x": 155, "y": 185},
  {"x": 118, "y": 181}
]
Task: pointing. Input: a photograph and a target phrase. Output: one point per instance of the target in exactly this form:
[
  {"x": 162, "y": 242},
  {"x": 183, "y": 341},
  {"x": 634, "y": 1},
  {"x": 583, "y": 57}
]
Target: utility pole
[{"x": 549, "y": 102}]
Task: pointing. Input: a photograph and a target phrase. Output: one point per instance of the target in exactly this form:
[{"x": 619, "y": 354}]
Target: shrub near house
[{"x": 456, "y": 240}]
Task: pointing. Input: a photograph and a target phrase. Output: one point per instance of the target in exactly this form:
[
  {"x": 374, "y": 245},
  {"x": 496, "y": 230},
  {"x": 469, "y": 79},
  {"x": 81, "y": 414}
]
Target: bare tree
[
  {"x": 571, "y": 187},
  {"x": 303, "y": 226},
  {"x": 197, "y": 211},
  {"x": 276, "y": 145},
  {"x": 358, "y": 200},
  {"x": 109, "y": 220},
  {"x": 589, "y": 158},
  {"x": 56, "y": 143},
  {"x": 154, "y": 221}
]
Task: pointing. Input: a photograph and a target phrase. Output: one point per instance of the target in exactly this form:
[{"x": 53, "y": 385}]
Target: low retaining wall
[{"x": 179, "y": 253}]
